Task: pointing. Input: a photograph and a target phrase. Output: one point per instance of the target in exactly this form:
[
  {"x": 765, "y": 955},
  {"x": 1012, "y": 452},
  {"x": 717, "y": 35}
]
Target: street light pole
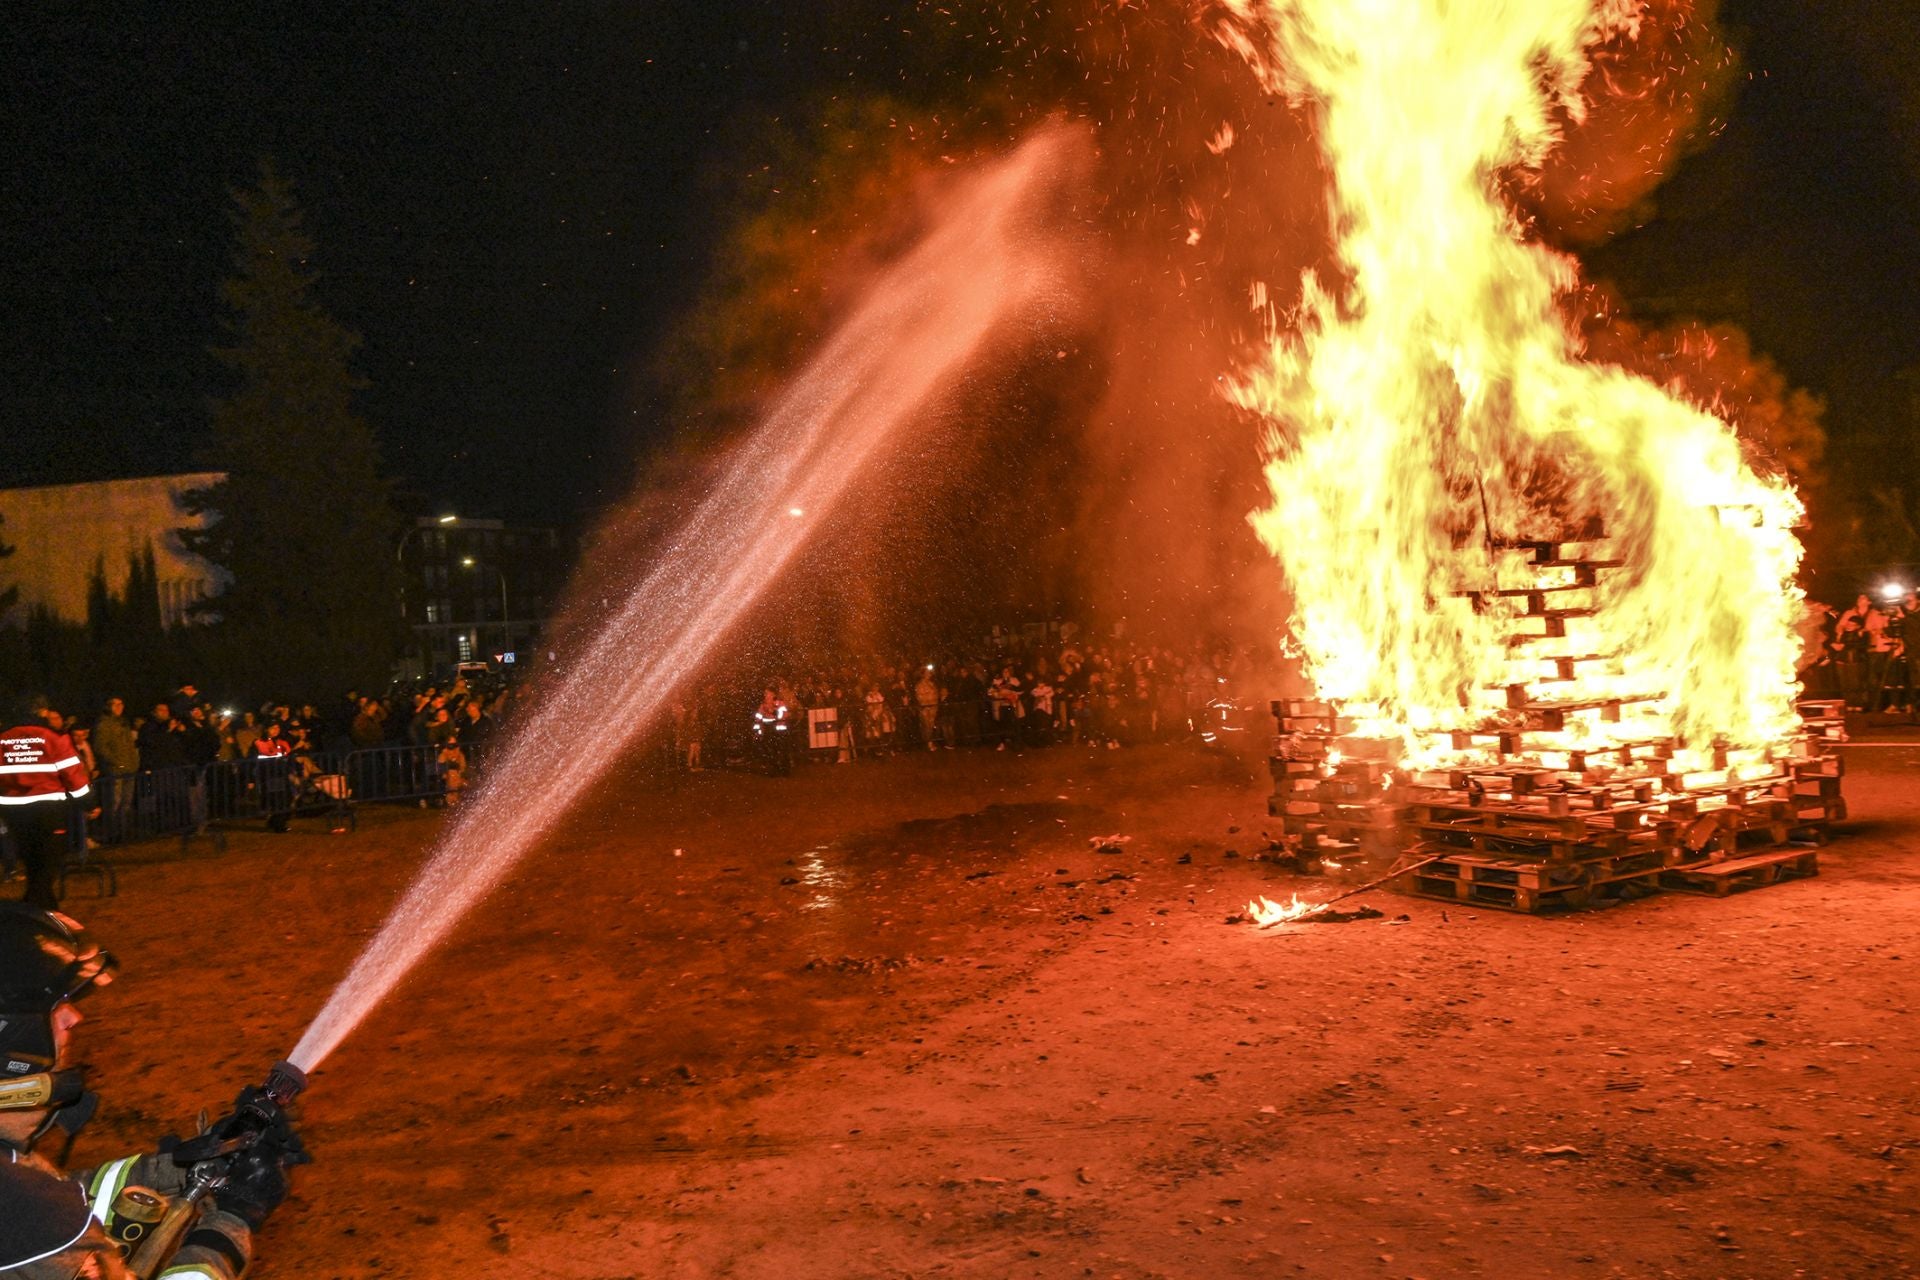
[
  {"x": 400, "y": 552},
  {"x": 506, "y": 615},
  {"x": 407, "y": 537}
]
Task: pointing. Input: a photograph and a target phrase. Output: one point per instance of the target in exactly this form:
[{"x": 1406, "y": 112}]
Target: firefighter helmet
[
  {"x": 44, "y": 1214},
  {"x": 46, "y": 959}
]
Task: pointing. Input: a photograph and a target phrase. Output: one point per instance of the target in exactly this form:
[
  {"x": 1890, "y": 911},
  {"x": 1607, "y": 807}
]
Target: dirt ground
[{"x": 900, "y": 1019}]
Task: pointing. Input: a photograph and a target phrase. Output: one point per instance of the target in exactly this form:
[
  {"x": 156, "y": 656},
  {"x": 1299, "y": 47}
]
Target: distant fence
[{"x": 185, "y": 800}]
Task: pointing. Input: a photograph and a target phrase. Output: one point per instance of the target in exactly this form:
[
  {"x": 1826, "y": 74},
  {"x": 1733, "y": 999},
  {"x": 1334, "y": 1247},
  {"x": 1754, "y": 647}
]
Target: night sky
[{"x": 513, "y": 202}]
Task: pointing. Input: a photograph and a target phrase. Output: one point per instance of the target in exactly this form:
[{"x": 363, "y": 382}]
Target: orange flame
[
  {"x": 1265, "y": 911},
  {"x": 1431, "y": 408}
]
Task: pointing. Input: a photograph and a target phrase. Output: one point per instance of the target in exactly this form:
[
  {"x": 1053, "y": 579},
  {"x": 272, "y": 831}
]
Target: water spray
[{"x": 996, "y": 255}]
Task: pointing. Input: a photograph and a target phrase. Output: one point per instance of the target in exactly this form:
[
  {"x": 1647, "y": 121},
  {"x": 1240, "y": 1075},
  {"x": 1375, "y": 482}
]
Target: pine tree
[
  {"x": 131, "y": 648},
  {"x": 302, "y": 522}
]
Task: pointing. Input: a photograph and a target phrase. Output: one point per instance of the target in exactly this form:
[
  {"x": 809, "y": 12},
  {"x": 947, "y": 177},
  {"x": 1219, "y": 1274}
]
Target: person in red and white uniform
[{"x": 41, "y": 779}]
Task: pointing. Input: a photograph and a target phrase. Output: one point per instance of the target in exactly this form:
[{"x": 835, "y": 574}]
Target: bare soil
[{"x": 901, "y": 1019}]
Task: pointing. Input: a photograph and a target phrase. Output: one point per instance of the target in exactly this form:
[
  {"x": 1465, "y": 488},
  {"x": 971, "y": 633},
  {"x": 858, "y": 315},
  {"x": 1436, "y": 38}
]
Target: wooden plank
[
  {"x": 1541, "y": 877},
  {"x": 1736, "y": 875},
  {"x": 1519, "y": 899}
]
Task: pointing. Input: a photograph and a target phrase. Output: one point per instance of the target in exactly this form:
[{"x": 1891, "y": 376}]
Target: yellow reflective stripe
[
  {"x": 106, "y": 1186},
  {"x": 189, "y": 1273}
]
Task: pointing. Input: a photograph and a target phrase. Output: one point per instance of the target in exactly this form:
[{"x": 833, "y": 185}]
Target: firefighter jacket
[
  {"x": 67, "y": 1228},
  {"x": 774, "y": 721},
  {"x": 39, "y": 766}
]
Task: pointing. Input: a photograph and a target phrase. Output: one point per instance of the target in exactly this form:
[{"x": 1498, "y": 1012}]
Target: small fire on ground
[{"x": 1265, "y": 911}]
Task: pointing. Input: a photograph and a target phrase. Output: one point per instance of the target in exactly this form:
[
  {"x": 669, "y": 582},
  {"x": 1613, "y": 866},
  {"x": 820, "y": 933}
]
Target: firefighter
[
  {"x": 41, "y": 777},
  {"x": 772, "y": 733},
  {"x": 56, "y": 1227}
]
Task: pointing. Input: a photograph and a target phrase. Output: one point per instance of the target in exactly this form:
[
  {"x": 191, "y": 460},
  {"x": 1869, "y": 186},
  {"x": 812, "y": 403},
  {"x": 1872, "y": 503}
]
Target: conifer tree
[
  {"x": 302, "y": 522},
  {"x": 8, "y": 595}
]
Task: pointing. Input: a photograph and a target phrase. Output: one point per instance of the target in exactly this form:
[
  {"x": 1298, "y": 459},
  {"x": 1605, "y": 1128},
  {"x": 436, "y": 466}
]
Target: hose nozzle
[{"x": 284, "y": 1083}]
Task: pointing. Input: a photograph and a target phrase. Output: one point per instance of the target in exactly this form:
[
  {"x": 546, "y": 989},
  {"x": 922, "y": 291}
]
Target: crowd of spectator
[
  {"x": 186, "y": 733},
  {"x": 1011, "y": 692},
  {"x": 1859, "y": 653},
  {"x": 1008, "y": 692}
]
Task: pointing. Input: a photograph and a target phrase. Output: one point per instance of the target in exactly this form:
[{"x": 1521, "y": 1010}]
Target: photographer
[{"x": 1893, "y": 690}]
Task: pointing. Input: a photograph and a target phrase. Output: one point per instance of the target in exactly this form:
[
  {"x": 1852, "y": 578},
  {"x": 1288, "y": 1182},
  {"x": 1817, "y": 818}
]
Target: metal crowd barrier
[{"x": 190, "y": 800}]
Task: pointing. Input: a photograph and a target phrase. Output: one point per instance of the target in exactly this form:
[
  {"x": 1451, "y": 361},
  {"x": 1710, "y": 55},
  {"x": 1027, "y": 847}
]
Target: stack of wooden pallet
[
  {"x": 1549, "y": 797},
  {"x": 1333, "y": 806}
]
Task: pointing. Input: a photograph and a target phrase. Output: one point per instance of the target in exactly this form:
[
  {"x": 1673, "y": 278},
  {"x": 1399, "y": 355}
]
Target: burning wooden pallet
[{"x": 1553, "y": 798}]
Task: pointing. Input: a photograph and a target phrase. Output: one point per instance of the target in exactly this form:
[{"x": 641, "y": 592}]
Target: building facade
[
  {"x": 477, "y": 590},
  {"x": 63, "y": 534}
]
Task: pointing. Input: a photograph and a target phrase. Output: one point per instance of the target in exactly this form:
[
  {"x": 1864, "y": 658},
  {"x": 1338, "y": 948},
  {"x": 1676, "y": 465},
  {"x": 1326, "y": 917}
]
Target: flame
[
  {"x": 1431, "y": 408},
  {"x": 1265, "y": 911}
]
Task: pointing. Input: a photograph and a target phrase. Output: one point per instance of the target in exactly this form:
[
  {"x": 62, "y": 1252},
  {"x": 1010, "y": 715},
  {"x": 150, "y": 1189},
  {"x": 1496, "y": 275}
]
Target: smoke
[
  {"x": 1100, "y": 470},
  {"x": 1714, "y": 367},
  {"x": 1658, "y": 90}
]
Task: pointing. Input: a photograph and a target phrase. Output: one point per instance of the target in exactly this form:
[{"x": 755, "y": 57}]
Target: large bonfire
[
  {"x": 1432, "y": 417},
  {"x": 1512, "y": 567}
]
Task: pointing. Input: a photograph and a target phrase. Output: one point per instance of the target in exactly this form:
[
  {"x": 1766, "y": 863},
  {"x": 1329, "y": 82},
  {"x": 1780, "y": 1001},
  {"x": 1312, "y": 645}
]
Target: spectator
[
  {"x": 1009, "y": 709},
  {"x": 202, "y": 738},
  {"x": 162, "y": 741},
  {"x": 1851, "y": 645},
  {"x": 118, "y": 756},
  {"x": 183, "y": 699},
  {"x": 475, "y": 730},
  {"x": 272, "y": 744},
  {"x": 1894, "y": 689},
  {"x": 1882, "y": 639},
  {"x": 926, "y": 701},
  {"x": 200, "y": 743},
  {"x": 245, "y": 733},
  {"x": 687, "y": 717},
  {"x": 876, "y": 720},
  {"x": 1040, "y": 723},
  {"x": 453, "y": 768},
  {"x": 81, "y": 737},
  {"x": 369, "y": 725}
]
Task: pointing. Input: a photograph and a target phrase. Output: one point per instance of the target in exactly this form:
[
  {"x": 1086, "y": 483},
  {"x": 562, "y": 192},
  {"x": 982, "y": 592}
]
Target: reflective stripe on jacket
[{"x": 37, "y": 764}]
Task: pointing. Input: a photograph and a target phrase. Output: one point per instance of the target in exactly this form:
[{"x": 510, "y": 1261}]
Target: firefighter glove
[{"x": 255, "y": 1186}]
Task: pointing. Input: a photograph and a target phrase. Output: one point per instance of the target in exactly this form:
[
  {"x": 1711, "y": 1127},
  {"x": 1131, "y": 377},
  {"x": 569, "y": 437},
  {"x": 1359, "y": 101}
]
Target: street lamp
[{"x": 407, "y": 537}]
